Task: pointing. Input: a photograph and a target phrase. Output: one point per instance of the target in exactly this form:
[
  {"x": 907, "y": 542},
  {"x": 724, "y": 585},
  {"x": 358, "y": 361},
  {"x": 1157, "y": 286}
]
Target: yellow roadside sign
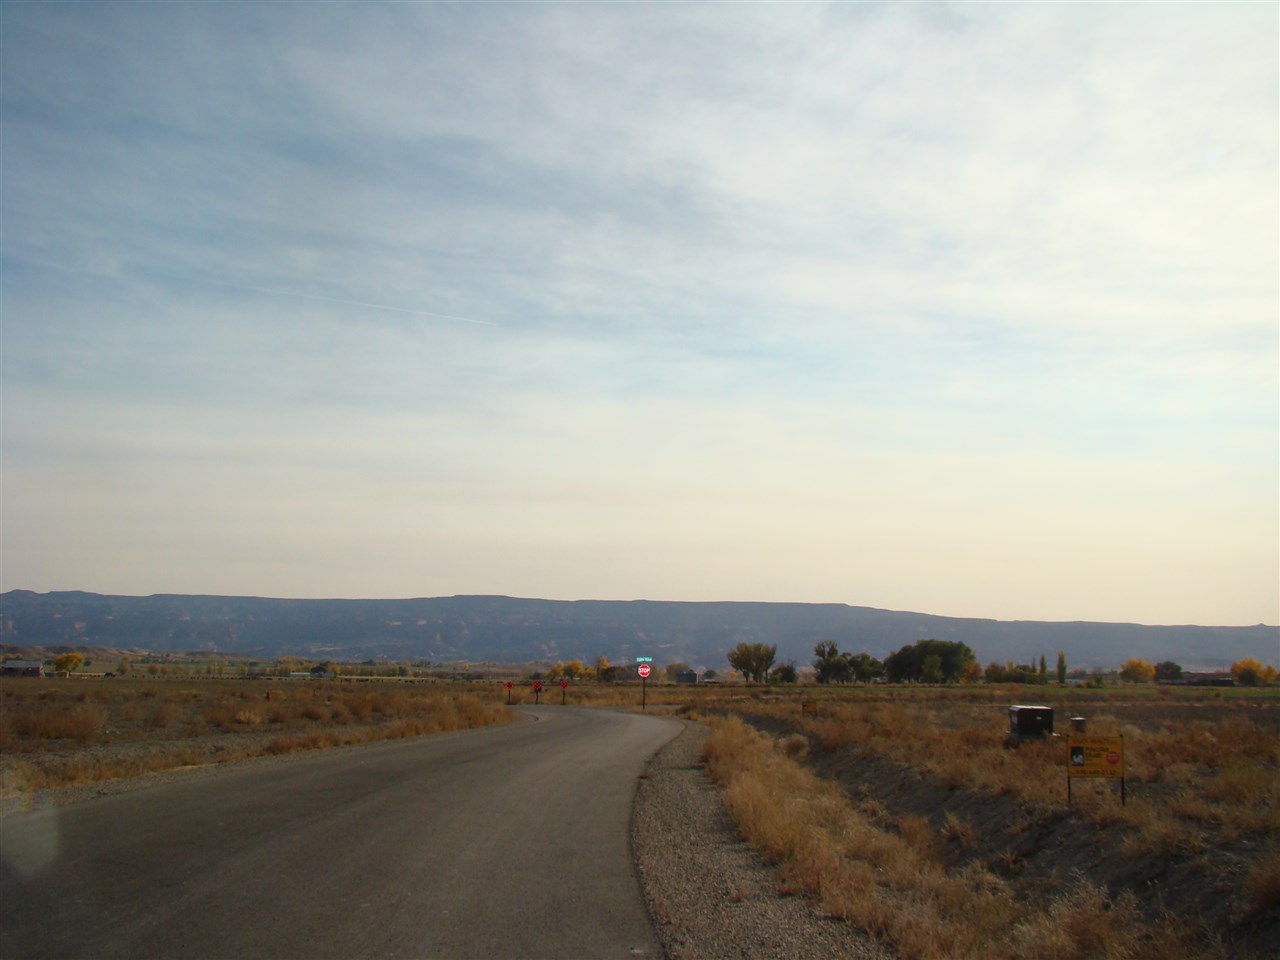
[{"x": 1095, "y": 757}]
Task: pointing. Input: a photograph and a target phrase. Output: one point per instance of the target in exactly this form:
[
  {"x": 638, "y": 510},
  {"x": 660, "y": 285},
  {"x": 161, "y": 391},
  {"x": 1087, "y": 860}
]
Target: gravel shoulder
[{"x": 711, "y": 896}]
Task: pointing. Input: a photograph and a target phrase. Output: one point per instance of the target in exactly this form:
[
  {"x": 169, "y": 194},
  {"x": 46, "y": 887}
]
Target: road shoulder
[{"x": 710, "y": 894}]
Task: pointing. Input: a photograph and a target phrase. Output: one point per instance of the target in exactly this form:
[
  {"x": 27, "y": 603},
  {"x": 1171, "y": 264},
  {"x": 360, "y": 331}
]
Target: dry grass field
[
  {"x": 56, "y": 733},
  {"x": 900, "y": 810},
  {"x": 895, "y": 806}
]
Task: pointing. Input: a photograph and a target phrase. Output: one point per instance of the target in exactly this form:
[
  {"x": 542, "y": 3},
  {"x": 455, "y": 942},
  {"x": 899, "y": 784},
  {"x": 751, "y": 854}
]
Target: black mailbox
[{"x": 1030, "y": 722}]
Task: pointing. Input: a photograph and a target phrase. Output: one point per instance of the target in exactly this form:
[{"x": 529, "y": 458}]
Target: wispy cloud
[{"x": 960, "y": 307}]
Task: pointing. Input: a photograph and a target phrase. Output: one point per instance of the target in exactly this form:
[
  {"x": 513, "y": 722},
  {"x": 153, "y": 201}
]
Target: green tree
[
  {"x": 864, "y": 667},
  {"x": 931, "y": 669},
  {"x": 1062, "y": 668},
  {"x": 909, "y": 662},
  {"x": 1044, "y": 670},
  {"x": 831, "y": 665},
  {"x": 1168, "y": 670},
  {"x": 786, "y": 673},
  {"x": 753, "y": 660}
]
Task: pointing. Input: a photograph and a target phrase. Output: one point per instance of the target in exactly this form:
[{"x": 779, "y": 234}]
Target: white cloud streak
[{"x": 963, "y": 308}]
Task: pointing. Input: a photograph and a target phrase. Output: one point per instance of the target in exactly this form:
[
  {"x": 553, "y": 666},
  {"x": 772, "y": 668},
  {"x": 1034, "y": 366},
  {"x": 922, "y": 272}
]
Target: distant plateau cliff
[{"x": 511, "y": 630}]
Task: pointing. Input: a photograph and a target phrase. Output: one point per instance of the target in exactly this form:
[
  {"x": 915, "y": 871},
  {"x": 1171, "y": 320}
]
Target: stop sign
[
  {"x": 643, "y": 670},
  {"x": 508, "y": 684},
  {"x": 563, "y": 684},
  {"x": 537, "y": 685}
]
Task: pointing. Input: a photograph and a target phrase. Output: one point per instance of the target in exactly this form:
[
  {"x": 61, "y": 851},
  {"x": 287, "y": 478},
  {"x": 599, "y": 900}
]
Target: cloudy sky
[{"x": 964, "y": 309}]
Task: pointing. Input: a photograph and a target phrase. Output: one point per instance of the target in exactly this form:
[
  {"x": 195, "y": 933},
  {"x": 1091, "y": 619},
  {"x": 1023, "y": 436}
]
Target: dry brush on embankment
[{"x": 912, "y": 822}]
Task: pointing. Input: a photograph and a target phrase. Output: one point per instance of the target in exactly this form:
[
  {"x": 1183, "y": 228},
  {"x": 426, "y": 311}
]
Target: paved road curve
[{"x": 504, "y": 842}]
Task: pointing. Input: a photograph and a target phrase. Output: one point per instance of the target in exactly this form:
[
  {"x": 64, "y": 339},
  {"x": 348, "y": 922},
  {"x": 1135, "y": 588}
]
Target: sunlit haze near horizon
[{"x": 965, "y": 309}]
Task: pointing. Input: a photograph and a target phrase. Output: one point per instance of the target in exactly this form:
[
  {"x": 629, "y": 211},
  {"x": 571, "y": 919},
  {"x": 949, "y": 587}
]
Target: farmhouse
[{"x": 22, "y": 668}]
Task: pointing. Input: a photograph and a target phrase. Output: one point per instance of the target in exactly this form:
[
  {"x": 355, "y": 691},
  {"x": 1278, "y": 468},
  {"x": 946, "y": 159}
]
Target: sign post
[
  {"x": 537, "y": 692},
  {"x": 564, "y": 685},
  {"x": 509, "y": 685},
  {"x": 1095, "y": 757},
  {"x": 643, "y": 670}
]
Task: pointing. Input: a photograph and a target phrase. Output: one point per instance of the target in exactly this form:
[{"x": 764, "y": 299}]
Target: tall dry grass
[
  {"x": 52, "y": 734},
  {"x": 1220, "y": 777},
  {"x": 76, "y": 722},
  {"x": 891, "y": 882}
]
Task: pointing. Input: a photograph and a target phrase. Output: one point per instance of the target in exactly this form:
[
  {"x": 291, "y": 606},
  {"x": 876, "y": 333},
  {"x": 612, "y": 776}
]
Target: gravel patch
[{"x": 710, "y": 895}]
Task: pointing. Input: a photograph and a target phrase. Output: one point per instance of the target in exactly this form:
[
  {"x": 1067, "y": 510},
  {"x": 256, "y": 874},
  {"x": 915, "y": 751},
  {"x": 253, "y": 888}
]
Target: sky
[{"x": 965, "y": 309}]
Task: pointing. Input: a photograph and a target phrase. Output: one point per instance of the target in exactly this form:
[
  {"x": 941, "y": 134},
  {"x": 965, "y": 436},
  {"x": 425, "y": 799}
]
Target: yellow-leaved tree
[
  {"x": 1251, "y": 672},
  {"x": 1137, "y": 671},
  {"x": 68, "y": 662}
]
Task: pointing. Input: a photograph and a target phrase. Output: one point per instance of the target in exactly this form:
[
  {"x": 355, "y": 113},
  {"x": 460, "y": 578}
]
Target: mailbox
[{"x": 1028, "y": 722}]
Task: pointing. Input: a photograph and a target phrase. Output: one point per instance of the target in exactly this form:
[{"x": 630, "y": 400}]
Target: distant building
[
  {"x": 1215, "y": 678},
  {"x": 22, "y": 668},
  {"x": 687, "y": 676}
]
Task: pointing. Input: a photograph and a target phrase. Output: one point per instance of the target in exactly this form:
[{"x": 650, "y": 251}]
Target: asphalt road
[{"x": 509, "y": 841}]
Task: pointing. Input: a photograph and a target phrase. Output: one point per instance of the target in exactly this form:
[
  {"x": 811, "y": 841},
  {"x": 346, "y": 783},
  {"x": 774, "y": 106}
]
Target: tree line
[{"x": 950, "y": 661}]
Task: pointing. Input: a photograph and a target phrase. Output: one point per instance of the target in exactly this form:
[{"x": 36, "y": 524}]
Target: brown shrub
[
  {"x": 1082, "y": 924},
  {"x": 1263, "y": 885},
  {"x": 278, "y": 714},
  {"x": 795, "y": 746},
  {"x": 959, "y": 831},
  {"x": 163, "y": 715},
  {"x": 80, "y": 722},
  {"x": 917, "y": 832}
]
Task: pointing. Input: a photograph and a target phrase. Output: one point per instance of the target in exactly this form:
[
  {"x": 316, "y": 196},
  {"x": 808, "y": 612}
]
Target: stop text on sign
[{"x": 643, "y": 670}]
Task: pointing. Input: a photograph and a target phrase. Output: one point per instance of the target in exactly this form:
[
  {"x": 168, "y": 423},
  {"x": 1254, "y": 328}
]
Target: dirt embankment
[{"x": 1038, "y": 853}]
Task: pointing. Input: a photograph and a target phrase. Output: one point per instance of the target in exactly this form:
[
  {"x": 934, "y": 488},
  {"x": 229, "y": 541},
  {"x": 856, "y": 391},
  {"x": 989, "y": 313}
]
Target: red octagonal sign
[
  {"x": 643, "y": 670},
  {"x": 537, "y": 684}
]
